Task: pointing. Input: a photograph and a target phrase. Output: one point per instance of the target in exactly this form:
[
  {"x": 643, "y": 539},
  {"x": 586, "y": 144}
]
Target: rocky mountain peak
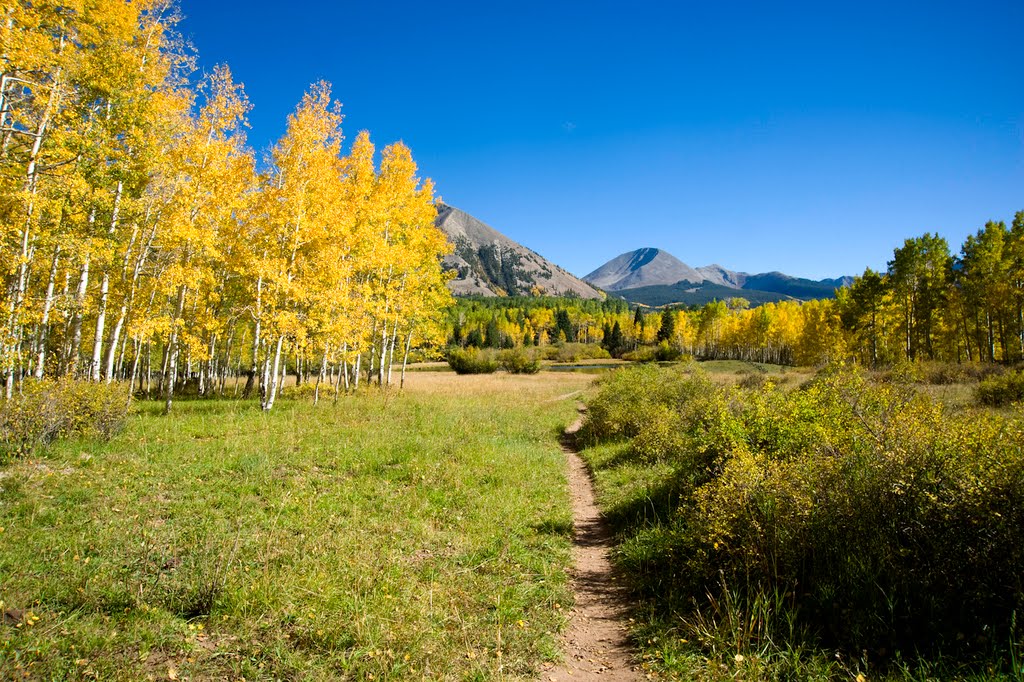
[{"x": 487, "y": 263}]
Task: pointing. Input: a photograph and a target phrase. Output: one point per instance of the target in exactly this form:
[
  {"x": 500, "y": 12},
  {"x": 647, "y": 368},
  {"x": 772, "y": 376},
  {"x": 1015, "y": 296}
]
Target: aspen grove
[{"x": 141, "y": 242}]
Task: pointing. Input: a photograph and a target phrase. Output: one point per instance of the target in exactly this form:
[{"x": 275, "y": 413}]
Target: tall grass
[
  {"x": 397, "y": 536},
  {"x": 768, "y": 528}
]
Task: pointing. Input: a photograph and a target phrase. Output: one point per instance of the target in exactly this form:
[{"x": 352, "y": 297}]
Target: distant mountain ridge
[
  {"x": 655, "y": 277},
  {"x": 487, "y": 263}
]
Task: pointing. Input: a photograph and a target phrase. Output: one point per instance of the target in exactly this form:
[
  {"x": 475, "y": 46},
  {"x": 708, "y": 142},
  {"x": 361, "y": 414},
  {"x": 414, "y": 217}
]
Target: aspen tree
[
  {"x": 212, "y": 175},
  {"x": 153, "y": 237},
  {"x": 298, "y": 199},
  {"x": 37, "y": 47}
]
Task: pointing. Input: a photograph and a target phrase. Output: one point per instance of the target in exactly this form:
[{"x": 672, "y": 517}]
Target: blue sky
[{"x": 810, "y": 138}]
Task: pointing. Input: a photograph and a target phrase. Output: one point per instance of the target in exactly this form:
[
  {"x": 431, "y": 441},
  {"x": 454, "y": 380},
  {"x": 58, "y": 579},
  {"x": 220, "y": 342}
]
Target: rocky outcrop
[{"x": 487, "y": 263}]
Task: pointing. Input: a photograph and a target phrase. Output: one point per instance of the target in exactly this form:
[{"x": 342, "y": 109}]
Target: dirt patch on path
[{"x": 596, "y": 646}]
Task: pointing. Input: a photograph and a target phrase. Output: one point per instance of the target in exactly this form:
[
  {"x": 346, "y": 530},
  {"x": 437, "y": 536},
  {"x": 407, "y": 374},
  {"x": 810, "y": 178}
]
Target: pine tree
[
  {"x": 616, "y": 342},
  {"x": 667, "y": 331},
  {"x": 564, "y": 329}
]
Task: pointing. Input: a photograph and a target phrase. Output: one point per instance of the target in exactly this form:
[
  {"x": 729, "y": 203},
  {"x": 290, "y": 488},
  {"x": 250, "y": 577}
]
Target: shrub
[
  {"x": 667, "y": 353},
  {"x": 628, "y": 400},
  {"x": 97, "y": 410},
  {"x": 471, "y": 361},
  {"x": 304, "y": 391},
  {"x": 574, "y": 352},
  {"x": 942, "y": 373},
  {"x": 642, "y": 354},
  {"x": 623, "y": 405},
  {"x": 519, "y": 361},
  {"x": 754, "y": 381},
  {"x": 904, "y": 372},
  {"x": 1001, "y": 390},
  {"x": 880, "y": 522},
  {"x": 46, "y": 410}
]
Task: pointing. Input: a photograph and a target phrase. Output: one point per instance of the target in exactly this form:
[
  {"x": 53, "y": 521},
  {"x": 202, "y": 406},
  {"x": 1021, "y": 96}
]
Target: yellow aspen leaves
[{"x": 158, "y": 254}]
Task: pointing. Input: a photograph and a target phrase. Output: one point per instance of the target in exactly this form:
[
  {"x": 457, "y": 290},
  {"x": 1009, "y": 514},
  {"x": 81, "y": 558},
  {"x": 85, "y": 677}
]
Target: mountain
[
  {"x": 487, "y": 263},
  {"x": 655, "y": 277},
  {"x": 839, "y": 282},
  {"x": 716, "y": 274},
  {"x": 642, "y": 268}
]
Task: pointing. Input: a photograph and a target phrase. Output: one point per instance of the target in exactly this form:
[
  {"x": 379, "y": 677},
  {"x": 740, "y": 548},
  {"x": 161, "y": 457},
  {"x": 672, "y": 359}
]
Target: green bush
[
  {"x": 667, "y": 353},
  {"x": 642, "y": 354},
  {"x": 663, "y": 352},
  {"x": 904, "y": 372},
  {"x": 305, "y": 391},
  {"x": 472, "y": 361},
  {"x": 627, "y": 397},
  {"x": 574, "y": 352},
  {"x": 879, "y": 522},
  {"x": 755, "y": 381},
  {"x": 1001, "y": 390},
  {"x": 46, "y": 410},
  {"x": 519, "y": 361}
]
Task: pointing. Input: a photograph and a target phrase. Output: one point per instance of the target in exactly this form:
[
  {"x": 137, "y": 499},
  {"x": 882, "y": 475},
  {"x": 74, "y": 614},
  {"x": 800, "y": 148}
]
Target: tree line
[
  {"x": 933, "y": 304},
  {"x": 929, "y": 304},
  {"x": 140, "y": 240},
  {"x": 789, "y": 332}
]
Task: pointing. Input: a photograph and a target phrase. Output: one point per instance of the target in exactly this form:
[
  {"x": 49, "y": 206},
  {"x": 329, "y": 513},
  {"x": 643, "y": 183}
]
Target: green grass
[{"x": 419, "y": 535}]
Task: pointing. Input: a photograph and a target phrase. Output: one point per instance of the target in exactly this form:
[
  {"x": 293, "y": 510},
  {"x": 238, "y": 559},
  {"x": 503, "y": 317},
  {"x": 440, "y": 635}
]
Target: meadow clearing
[
  {"x": 415, "y": 535},
  {"x": 767, "y": 519}
]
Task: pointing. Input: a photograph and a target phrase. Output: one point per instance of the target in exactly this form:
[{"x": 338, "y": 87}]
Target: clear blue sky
[{"x": 810, "y": 138}]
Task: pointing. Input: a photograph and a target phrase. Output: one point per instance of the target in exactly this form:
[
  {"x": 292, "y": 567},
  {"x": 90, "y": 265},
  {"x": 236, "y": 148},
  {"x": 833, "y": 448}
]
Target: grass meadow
[{"x": 415, "y": 535}]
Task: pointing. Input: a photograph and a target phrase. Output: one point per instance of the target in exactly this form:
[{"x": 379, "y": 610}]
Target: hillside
[
  {"x": 487, "y": 263},
  {"x": 687, "y": 293}
]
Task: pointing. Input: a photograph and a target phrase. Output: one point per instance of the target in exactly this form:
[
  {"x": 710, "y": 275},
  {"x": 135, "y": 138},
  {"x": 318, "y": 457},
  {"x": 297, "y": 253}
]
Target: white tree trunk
[
  {"x": 127, "y": 303},
  {"x": 101, "y": 318},
  {"x": 320, "y": 376},
  {"x": 391, "y": 351},
  {"x": 101, "y": 313},
  {"x": 172, "y": 351},
  {"x": 275, "y": 376},
  {"x": 31, "y": 188},
  {"x": 284, "y": 377},
  {"x": 256, "y": 340},
  {"x": 108, "y": 371},
  {"x": 137, "y": 345},
  {"x": 405, "y": 359},
  {"x": 45, "y": 321},
  {"x": 383, "y": 353},
  {"x": 76, "y": 326}
]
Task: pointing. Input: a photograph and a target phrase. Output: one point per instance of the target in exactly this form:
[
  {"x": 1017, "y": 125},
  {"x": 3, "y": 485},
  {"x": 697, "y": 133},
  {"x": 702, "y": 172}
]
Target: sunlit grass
[{"x": 412, "y": 535}]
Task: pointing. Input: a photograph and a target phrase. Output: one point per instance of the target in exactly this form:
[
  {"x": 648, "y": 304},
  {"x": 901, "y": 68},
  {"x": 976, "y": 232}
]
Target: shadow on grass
[{"x": 653, "y": 506}]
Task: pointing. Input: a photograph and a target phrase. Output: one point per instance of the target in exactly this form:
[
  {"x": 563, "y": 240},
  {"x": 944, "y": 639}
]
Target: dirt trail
[{"x": 596, "y": 647}]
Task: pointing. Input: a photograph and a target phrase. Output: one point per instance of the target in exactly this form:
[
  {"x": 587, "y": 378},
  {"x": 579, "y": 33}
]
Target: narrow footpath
[{"x": 596, "y": 646}]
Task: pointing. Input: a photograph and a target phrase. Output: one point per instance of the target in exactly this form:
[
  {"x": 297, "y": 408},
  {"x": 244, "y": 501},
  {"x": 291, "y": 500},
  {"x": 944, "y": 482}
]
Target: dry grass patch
[{"x": 526, "y": 388}]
